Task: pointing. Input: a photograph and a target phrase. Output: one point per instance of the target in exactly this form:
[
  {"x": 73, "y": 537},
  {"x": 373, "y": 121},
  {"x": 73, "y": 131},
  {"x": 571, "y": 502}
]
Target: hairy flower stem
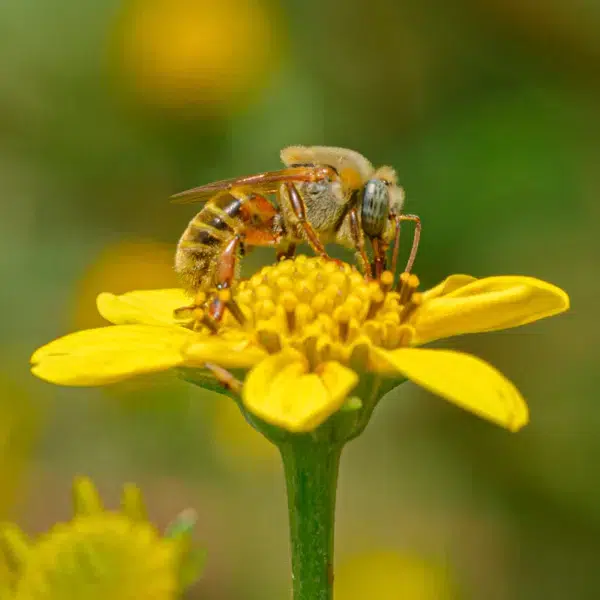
[{"x": 311, "y": 471}]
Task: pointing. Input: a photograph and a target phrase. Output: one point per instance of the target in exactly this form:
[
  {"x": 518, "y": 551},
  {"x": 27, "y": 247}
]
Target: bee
[{"x": 322, "y": 195}]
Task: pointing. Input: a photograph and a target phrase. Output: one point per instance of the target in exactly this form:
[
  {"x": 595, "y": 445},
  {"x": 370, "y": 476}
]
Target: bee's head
[{"x": 380, "y": 199}]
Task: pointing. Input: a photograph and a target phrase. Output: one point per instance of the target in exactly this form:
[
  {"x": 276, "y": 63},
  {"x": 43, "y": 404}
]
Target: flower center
[{"x": 323, "y": 308}]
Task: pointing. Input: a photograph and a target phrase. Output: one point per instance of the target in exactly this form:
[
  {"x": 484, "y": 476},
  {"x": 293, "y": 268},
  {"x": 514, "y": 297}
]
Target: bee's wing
[{"x": 262, "y": 183}]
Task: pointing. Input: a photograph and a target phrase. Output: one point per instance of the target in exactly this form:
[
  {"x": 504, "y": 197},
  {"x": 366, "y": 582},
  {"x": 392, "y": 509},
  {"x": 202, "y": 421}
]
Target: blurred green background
[{"x": 489, "y": 110}]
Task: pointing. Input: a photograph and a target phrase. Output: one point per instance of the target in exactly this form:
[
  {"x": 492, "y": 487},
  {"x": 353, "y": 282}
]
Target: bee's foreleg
[
  {"x": 358, "y": 239},
  {"x": 299, "y": 209},
  {"x": 379, "y": 251}
]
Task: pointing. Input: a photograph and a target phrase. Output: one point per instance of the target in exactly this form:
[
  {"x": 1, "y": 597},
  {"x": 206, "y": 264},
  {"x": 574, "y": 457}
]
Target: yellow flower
[
  {"x": 310, "y": 337},
  {"x": 98, "y": 554}
]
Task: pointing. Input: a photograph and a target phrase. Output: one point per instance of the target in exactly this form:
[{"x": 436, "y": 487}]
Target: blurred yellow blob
[
  {"x": 99, "y": 554},
  {"x": 19, "y": 419},
  {"x": 387, "y": 575},
  {"x": 138, "y": 265},
  {"x": 242, "y": 446},
  {"x": 5, "y": 580},
  {"x": 208, "y": 55}
]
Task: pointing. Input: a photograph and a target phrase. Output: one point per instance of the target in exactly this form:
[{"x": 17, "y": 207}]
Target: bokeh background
[{"x": 489, "y": 109}]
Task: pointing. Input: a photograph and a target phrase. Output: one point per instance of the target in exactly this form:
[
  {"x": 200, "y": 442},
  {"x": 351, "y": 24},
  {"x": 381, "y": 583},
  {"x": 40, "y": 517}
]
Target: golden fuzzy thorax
[{"x": 343, "y": 160}]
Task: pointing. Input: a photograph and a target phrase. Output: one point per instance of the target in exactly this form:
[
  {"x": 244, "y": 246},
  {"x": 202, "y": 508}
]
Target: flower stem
[{"x": 311, "y": 471}]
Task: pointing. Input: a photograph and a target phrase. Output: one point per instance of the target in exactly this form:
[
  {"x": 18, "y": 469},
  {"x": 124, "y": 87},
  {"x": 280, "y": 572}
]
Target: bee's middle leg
[{"x": 358, "y": 238}]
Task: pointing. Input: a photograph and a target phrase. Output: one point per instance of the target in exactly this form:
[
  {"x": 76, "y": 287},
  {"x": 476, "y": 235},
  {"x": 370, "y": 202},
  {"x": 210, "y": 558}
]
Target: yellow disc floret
[{"x": 323, "y": 309}]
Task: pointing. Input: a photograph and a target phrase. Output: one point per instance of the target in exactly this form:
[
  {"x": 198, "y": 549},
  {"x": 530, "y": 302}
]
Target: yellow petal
[
  {"x": 451, "y": 283},
  {"x": 146, "y": 307},
  {"x": 110, "y": 354},
  {"x": 487, "y": 305},
  {"x": 238, "y": 353},
  {"x": 86, "y": 498},
  {"x": 281, "y": 391},
  {"x": 465, "y": 380}
]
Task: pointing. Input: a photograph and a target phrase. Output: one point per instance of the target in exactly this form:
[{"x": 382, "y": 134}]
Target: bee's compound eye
[{"x": 375, "y": 207}]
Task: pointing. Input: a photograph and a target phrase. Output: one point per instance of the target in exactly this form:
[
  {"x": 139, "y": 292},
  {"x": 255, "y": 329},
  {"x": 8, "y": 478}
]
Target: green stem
[{"x": 311, "y": 470}]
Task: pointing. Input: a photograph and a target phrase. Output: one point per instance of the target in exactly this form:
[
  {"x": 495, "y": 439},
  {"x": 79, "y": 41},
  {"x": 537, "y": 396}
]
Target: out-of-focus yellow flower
[
  {"x": 239, "y": 444},
  {"x": 121, "y": 267},
  {"x": 310, "y": 334},
  {"x": 99, "y": 554},
  {"x": 196, "y": 54},
  {"x": 5, "y": 580},
  {"x": 387, "y": 575},
  {"x": 19, "y": 421}
]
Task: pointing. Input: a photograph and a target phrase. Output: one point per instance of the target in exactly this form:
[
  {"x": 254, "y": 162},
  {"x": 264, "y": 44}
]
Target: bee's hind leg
[{"x": 225, "y": 272}]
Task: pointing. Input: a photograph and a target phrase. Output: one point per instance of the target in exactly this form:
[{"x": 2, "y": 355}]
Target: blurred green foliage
[{"x": 489, "y": 111}]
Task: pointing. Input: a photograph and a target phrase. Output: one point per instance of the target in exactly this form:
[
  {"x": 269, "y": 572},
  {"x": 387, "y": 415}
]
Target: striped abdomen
[{"x": 200, "y": 245}]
